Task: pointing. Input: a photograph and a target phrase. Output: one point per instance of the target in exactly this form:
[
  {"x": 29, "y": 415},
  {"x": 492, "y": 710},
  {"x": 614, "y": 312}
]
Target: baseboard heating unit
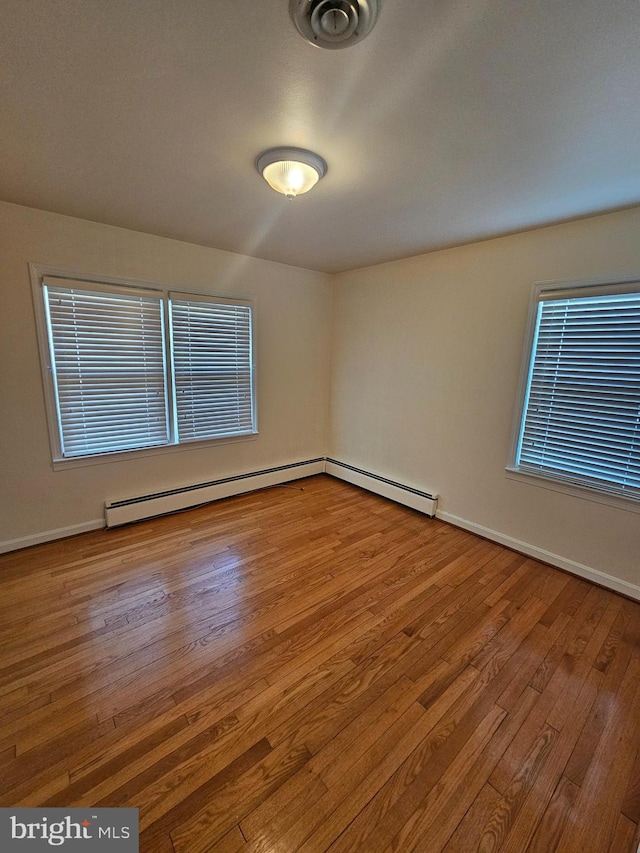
[
  {"x": 407, "y": 495},
  {"x": 161, "y": 503}
]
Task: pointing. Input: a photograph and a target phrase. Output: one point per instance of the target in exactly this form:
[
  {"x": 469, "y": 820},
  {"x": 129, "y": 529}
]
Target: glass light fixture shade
[
  {"x": 290, "y": 177},
  {"x": 291, "y": 171}
]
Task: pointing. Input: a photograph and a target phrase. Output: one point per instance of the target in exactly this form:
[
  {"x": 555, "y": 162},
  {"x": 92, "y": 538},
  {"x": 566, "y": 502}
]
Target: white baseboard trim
[
  {"x": 50, "y": 535},
  {"x": 148, "y": 506},
  {"x": 398, "y": 492},
  {"x": 593, "y": 575}
]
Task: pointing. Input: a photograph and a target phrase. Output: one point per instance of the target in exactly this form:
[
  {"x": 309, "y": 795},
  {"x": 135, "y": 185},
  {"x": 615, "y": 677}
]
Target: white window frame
[
  {"x": 568, "y": 288},
  {"x": 69, "y": 277}
]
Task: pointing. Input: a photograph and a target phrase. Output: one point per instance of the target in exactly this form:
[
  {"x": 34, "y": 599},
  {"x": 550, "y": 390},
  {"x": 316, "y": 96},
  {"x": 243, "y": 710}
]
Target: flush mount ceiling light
[
  {"x": 291, "y": 171},
  {"x": 334, "y": 24}
]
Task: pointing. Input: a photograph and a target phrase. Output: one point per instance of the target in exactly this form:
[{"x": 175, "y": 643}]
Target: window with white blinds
[
  {"x": 581, "y": 412},
  {"x": 133, "y": 368},
  {"x": 211, "y": 367}
]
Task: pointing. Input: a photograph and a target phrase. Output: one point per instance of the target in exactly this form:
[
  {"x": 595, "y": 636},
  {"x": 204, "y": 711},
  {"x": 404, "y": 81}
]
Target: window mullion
[{"x": 174, "y": 437}]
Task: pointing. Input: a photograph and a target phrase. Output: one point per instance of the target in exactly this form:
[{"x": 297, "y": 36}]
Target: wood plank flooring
[{"x": 313, "y": 668}]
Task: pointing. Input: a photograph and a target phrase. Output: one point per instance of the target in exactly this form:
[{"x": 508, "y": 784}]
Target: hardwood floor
[{"x": 313, "y": 668}]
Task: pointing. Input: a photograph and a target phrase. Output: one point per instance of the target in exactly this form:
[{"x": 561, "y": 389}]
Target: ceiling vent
[{"x": 334, "y": 24}]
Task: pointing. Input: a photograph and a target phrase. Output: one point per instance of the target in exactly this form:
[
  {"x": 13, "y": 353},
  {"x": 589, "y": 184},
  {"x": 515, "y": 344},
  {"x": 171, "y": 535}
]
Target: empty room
[{"x": 320, "y": 394}]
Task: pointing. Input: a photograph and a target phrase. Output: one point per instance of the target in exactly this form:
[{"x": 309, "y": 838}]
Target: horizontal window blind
[
  {"x": 134, "y": 367},
  {"x": 108, "y": 365},
  {"x": 581, "y": 419},
  {"x": 212, "y": 368}
]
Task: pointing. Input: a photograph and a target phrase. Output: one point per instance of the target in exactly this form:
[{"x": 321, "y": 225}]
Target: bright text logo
[{"x": 86, "y": 830}]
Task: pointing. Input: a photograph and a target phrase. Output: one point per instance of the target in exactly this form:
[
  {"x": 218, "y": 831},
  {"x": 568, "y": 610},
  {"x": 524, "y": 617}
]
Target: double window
[
  {"x": 579, "y": 421},
  {"x": 131, "y": 368}
]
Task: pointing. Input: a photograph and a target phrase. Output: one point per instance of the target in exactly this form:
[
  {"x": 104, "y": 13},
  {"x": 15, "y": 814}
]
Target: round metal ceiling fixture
[
  {"x": 291, "y": 171},
  {"x": 334, "y": 24}
]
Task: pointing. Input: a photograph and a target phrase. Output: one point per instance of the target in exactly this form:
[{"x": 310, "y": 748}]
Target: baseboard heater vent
[
  {"x": 407, "y": 495},
  {"x": 161, "y": 503}
]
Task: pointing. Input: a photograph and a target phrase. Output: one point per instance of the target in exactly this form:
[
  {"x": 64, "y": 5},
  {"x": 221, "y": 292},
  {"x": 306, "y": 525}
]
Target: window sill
[
  {"x": 160, "y": 450},
  {"x": 586, "y": 493}
]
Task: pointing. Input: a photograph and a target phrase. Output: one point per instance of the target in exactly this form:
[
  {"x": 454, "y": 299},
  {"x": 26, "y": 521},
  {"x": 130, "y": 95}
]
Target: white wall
[
  {"x": 426, "y": 354},
  {"x": 292, "y": 320},
  {"x": 423, "y": 362}
]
